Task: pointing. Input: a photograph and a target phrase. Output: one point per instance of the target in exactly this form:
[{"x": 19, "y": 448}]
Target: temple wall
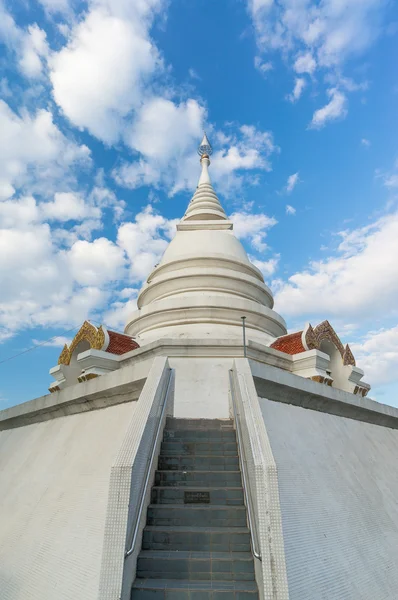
[
  {"x": 54, "y": 484},
  {"x": 201, "y": 388},
  {"x": 338, "y": 490}
]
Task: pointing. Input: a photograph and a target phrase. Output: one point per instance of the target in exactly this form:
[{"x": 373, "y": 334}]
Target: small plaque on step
[{"x": 196, "y": 497}]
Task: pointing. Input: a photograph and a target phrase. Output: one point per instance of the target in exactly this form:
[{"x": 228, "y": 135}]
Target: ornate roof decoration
[
  {"x": 119, "y": 343},
  {"x": 99, "y": 339},
  {"x": 324, "y": 331},
  {"x": 87, "y": 332},
  {"x": 290, "y": 344},
  {"x": 348, "y": 357},
  {"x": 310, "y": 339}
]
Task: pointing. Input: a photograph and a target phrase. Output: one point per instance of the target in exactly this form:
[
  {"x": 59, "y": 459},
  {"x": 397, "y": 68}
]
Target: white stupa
[
  {"x": 205, "y": 282},
  {"x": 182, "y": 459}
]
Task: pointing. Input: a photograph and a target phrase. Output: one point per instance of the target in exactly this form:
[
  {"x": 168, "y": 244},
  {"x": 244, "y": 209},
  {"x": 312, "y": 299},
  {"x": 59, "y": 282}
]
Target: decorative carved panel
[
  {"x": 348, "y": 357},
  {"x": 87, "y": 332},
  {"x": 324, "y": 331}
]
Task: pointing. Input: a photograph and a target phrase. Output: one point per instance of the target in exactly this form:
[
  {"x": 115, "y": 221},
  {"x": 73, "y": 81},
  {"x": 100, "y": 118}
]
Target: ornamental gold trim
[{"x": 87, "y": 332}]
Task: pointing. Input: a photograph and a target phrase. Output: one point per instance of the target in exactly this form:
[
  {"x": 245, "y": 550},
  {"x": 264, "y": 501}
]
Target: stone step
[
  {"x": 172, "y": 448},
  {"x": 194, "y": 495},
  {"x": 196, "y": 515},
  {"x": 193, "y": 566},
  {"x": 196, "y": 539},
  {"x": 198, "y": 478},
  {"x": 200, "y": 435},
  {"x": 173, "y": 589},
  {"x": 198, "y": 463},
  {"x": 174, "y": 424}
]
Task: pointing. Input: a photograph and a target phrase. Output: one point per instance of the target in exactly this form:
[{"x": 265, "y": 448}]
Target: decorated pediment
[
  {"x": 313, "y": 337},
  {"x": 76, "y": 364},
  {"x": 339, "y": 370},
  {"x": 87, "y": 333}
]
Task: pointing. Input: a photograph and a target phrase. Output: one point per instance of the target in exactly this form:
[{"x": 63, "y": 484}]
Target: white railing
[
  {"x": 246, "y": 468},
  {"x": 261, "y": 482},
  {"x": 149, "y": 467}
]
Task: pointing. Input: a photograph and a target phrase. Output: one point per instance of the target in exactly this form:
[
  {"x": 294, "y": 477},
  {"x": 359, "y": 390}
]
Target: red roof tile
[
  {"x": 289, "y": 344},
  {"x": 119, "y": 343}
]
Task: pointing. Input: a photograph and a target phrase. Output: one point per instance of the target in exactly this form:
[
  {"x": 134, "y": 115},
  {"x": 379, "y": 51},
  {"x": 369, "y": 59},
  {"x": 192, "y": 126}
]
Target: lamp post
[{"x": 244, "y": 335}]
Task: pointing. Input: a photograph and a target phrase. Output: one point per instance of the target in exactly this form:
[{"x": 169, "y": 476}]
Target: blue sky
[{"x": 102, "y": 106}]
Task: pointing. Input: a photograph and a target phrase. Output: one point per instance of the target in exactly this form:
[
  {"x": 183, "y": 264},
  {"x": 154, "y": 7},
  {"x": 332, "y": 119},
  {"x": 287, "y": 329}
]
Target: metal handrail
[
  {"x": 243, "y": 467},
  {"x": 149, "y": 470}
]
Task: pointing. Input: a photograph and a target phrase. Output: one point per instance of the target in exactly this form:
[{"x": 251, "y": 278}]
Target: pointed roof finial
[{"x": 205, "y": 147}]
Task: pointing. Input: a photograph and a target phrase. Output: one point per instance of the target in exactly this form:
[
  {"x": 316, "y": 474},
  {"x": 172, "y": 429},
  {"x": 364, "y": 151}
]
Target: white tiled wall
[
  {"x": 338, "y": 485},
  {"x": 54, "y": 482}
]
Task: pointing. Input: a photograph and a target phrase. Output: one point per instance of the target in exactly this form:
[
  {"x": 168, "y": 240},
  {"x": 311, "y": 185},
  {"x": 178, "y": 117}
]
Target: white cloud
[
  {"x": 163, "y": 133},
  {"x": 34, "y": 50},
  {"x": 95, "y": 263},
  {"x": 30, "y": 47},
  {"x": 332, "y": 30},
  {"x": 58, "y": 341},
  {"x": 10, "y": 34},
  {"x": 119, "y": 312},
  {"x": 292, "y": 181},
  {"x": 55, "y": 6},
  {"x": 70, "y": 308},
  {"x": 18, "y": 213},
  {"x": 299, "y": 85},
  {"x": 34, "y": 152},
  {"x": 5, "y": 90},
  {"x": 145, "y": 240},
  {"x": 262, "y": 66},
  {"x": 267, "y": 267},
  {"x": 60, "y": 287},
  {"x": 391, "y": 181},
  {"x": 389, "y": 178},
  {"x": 346, "y": 83},
  {"x": 246, "y": 149},
  {"x": 68, "y": 206},
  {"x": 377, "y": 354},
  {"x": 365, "y": 142},
  {"x": 290, "y": 210},
  {"x": 42, "y": 277},
  {"x": 163, "y": 127},
  {"x": 360, "y": 281},
  {"x": 193, "y": 74},
  {"x": 305, "y": 63},
  {"x": 315, "y": 35},
  {"x": 335, "y": 109},
  {"x": 253, "y": 228},
  {"x": 99, "y": 77}
]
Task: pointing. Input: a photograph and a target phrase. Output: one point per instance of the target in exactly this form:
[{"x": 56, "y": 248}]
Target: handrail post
[{"x": 244, "y": 335}]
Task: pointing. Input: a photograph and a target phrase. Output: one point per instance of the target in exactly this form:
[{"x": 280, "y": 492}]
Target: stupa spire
[
  {"x": 204, "y": 176},
  {"x": 205, "y": 148},
  {"x": 205, "y": 205}
]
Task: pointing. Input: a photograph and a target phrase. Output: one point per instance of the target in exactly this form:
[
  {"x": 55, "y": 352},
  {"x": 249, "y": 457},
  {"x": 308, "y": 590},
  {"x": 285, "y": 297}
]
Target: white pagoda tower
[{"x": 203, "y": 453}]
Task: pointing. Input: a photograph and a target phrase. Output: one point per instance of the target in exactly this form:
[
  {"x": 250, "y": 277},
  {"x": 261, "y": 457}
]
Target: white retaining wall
[
  {"x": 54, "y": 482},
  {"x": 338, "y": 486}
]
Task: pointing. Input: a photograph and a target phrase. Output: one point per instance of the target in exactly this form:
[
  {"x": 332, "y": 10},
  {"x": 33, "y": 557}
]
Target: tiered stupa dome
[{"x": 205, "y": 282}]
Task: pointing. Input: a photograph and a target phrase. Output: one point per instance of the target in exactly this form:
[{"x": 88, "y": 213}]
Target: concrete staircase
[{"x": 196, "y": 544}]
